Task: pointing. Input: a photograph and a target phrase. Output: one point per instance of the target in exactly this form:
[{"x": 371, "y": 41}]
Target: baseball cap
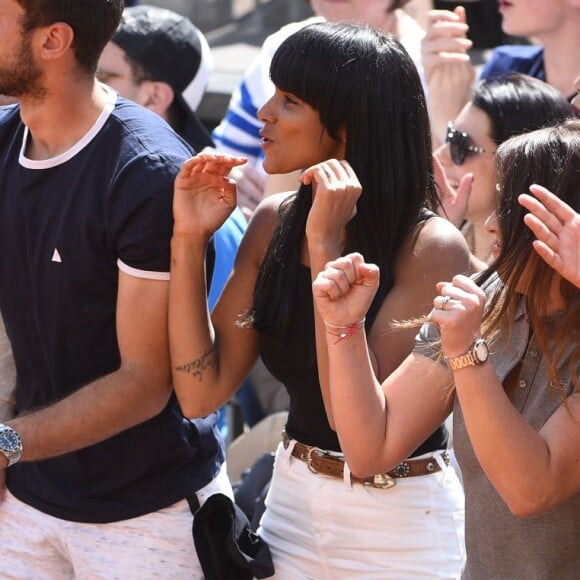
[{"x": 172, "y": 50}]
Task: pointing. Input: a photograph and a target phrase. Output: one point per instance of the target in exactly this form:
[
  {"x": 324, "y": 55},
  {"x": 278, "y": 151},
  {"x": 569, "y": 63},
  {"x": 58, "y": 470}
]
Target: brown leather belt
[{"x": 325, "y": 463}]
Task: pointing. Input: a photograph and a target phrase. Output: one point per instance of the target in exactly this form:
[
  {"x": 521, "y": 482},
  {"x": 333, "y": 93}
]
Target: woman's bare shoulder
[
  {"x": 437, "y": 235},
  {"x": 269, "y": 208},
  {"x": 435, "y": 244}
]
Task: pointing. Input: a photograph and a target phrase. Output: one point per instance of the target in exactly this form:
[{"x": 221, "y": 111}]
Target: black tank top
[{"x": 293, "y": 362}]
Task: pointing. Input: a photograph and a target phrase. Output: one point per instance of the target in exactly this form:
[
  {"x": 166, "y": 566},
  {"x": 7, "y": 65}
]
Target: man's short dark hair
[
  {"x": 162, "y": 45},
  {"x": 93, "y": 23}
]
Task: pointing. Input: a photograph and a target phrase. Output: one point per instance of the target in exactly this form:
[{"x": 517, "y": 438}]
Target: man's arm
[{"x": 137, "y": 391}]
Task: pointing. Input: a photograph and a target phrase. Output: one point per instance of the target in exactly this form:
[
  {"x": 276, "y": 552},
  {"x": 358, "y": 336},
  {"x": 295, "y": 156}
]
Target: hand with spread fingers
[
  {"x": 344, "y": 290},
  {"x": 458, "y": 311},
  {"x": 204, "y": 195},
  {"x": 335, "y": 192},
  {"x": 557, "y": 227}
]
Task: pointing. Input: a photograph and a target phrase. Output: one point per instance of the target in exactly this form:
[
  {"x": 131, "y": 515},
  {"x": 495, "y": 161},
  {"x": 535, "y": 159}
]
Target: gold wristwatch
[{"x": 476, "y": 355}]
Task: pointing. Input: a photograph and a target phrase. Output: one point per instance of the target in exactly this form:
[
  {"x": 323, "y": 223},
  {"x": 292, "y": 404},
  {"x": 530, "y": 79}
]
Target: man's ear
[
  {"x": 158, "y": 96},
  {"x": 55, "y": 40}
]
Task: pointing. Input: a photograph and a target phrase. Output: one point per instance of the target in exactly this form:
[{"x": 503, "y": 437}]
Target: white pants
[
  {"x": 322, "y": 528},
  {"x": 37, "y": 546}
]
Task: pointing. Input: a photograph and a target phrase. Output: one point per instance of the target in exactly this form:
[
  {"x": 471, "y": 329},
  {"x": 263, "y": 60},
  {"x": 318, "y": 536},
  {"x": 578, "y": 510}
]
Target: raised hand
[
  {"x": 336, "y": 190},
  {"x": 204, "y": 195},
  {"x": 458, "y": 311},
  {"x": 344, "y": 290},
  {"x": 449, "y": 73},
  {"x": 453, "y": 202},
  {"x": 557, "y": 227}
]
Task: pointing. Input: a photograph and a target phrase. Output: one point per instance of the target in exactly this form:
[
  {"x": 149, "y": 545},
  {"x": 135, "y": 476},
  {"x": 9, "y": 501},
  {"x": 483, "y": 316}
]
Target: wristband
[{"x": 343, "y": 332}]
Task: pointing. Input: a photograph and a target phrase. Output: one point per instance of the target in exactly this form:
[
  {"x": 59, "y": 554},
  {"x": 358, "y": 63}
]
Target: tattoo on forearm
[{"x": 196, "y": 367}]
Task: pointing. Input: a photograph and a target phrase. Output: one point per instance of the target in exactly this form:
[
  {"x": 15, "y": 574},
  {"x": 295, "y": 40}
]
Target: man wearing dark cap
[
  {"x": 160, "y": 60},
  {"x": 99, "y": 471}
]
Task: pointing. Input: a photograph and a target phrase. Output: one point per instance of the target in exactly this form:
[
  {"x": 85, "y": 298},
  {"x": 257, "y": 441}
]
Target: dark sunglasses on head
[{"x": 459, "y": 144}]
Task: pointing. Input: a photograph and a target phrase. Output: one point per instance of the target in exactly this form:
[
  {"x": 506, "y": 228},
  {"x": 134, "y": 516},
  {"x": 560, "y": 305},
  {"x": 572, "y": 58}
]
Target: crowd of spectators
[{"x": 380, "y": 239}]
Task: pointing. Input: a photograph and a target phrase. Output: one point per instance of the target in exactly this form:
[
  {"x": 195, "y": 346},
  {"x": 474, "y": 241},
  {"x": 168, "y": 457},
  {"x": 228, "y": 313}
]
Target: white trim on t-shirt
[
  {"x": 145, "y": 274},
  {"x": 111, "y": 100}
]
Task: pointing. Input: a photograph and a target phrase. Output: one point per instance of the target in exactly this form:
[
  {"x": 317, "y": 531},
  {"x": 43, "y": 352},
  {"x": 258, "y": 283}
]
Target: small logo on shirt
[{"x": 56, "y": 256}]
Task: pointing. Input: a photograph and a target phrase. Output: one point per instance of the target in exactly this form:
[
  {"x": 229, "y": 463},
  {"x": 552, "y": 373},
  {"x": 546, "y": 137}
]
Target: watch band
[
  {"x": 462, "y": 361},
  {"x": 477, "y": 354}
]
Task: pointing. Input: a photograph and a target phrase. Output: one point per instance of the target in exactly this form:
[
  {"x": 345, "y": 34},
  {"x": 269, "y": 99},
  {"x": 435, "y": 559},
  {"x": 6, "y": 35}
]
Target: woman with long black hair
[{"x": 349, "y": 108}]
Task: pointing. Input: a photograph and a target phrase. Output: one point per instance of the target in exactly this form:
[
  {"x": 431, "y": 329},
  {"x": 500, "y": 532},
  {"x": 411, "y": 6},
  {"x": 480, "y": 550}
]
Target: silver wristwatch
[
  {"x": 10, "y": 444},
  {"x": 476, "y": 355}
]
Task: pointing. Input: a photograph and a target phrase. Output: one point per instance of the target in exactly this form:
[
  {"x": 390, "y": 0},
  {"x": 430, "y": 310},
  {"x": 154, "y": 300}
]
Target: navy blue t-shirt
[
  {"x": 67, "y": 225},
  {"x": 524, "y": 59}
]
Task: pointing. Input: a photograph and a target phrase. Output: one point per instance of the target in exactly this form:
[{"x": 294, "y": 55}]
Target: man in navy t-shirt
[{"x": 99, "y": 462}]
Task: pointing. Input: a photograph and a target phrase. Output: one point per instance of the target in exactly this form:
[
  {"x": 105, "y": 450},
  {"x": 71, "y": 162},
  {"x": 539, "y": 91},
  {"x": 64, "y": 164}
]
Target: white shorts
[
  {"x": 322, "y": 528},
  {"x": 37, "y": 546}
]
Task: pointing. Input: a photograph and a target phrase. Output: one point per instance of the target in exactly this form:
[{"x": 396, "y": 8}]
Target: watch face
[
  {"x": 9, "y": 441},
  {"x": 480, "y": 350}
]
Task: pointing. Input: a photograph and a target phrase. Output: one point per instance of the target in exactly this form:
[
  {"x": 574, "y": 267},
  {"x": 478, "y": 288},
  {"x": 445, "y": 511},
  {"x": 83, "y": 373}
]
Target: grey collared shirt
[{"x": 500, "y": 545}]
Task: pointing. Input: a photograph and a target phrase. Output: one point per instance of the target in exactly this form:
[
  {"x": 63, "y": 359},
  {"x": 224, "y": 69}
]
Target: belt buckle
[
  {"x": 381, "y": 481},
  {"x": 311, "y": 451}
]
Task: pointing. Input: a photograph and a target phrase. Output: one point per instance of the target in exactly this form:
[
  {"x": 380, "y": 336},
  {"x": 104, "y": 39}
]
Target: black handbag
[{"x": 226, "y": 546}]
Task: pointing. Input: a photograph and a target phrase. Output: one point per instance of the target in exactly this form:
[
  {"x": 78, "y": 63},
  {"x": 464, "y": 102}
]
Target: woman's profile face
[
  {"x": 293, "y": 136},
  {"x": 373, "y": 13},
  {"x": 492, "y": 226},
  {"x": 477, "y": 125}
]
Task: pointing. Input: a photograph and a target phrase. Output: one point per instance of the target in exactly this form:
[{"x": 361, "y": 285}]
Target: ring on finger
[{"x": 443, "y": 302}]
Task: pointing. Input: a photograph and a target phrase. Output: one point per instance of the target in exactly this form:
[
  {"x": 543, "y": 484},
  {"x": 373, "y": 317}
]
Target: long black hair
[{"x": 365, "y": 83}]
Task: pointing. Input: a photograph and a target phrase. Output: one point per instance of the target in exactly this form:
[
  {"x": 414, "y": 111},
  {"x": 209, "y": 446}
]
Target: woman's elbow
[
  {"x": 363, "y": 465},
  {"x": 524, "y": 505},
  {"x": 194, "y": 409}
]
